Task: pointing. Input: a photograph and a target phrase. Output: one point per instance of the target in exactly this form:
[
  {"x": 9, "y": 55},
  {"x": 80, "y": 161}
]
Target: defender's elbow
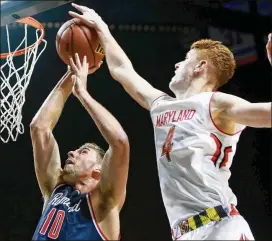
[
  {"x": 121, "y": 141},
  {"x": 38, "y": 127},
  {"x": 33, "y": 126}
]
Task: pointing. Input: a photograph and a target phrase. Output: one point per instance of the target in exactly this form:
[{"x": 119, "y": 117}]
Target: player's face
[
  {"x": 184, "y": 72},
  {"x": 80, "y": 163}
]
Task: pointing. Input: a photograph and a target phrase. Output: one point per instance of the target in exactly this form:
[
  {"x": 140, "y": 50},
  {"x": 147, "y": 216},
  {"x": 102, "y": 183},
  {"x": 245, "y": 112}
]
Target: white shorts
[{"x": 229, "y": 228}]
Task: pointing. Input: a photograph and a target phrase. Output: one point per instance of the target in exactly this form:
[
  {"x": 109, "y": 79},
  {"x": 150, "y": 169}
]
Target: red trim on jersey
[
  {"x": 218, "y": 145},
  {"x": 157, "y": 99},
  {"x": 215, "y": 124},
  {"x": 94, "y": 218},
  {"x": 227, "y": 150}
]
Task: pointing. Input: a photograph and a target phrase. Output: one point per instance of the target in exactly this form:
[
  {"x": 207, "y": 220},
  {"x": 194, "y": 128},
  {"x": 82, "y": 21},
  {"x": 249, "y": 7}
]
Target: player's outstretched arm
[
  {"x": 46, "y": 152},
  {"x": 119, "y": 64},
  {"x": 233, "y": 108},
  {"x": 115, "y": 165}
]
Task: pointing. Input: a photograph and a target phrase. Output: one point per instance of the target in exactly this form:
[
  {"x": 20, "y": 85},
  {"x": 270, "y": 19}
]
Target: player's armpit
[
  {"x": 240, "y": 111},
  {"x": 114, "y": 174},
  {"x": 46, "y": 159},
  {"x": 137, "y": 87}
]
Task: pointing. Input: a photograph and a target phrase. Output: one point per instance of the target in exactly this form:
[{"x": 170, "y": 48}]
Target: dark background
[{"x": 155, "y": 35}]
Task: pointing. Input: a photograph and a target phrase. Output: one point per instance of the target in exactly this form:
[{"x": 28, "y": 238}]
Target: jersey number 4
[
  {"x": 167, "y": 145},
  {"x": 56, "y": 227},
  {"x": 218, "y": 151}
]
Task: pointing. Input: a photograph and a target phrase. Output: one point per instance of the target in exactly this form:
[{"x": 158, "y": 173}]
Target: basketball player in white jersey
[
  {"x": 196, "y": 134},
  {"x": 83, "y": 199}
]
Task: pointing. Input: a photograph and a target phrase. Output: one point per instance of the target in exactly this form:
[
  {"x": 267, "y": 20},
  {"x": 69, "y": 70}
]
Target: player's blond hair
[
  {"x": 100, "y": 152},
  {"x": 220, "y": 56}
]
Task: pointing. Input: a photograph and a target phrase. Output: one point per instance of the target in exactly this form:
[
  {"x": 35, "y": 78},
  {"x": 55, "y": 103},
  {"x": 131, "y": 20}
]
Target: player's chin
[
  {"x": 68, "y": 170},
  {"x": 173, "y": 83}
]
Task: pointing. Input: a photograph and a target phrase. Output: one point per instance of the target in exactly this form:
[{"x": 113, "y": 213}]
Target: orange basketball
[{"x": 75, "y": 37}]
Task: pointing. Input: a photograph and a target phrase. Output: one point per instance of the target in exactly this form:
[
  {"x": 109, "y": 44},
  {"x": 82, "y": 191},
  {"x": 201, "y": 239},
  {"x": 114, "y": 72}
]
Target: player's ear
[
  {"x": 200, "y": 66},
  {"x": 96, "y": 173}
]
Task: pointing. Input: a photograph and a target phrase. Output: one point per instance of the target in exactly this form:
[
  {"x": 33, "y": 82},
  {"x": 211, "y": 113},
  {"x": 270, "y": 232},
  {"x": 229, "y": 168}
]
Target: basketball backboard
[{"x": 15, "y": 10}]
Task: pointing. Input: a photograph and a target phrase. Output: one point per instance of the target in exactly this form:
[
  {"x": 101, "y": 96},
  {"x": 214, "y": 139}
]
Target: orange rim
[{"x": 31, "y": 22}]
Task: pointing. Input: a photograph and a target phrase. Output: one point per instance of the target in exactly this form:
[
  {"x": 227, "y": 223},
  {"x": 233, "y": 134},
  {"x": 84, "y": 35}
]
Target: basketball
[{"x": 74, "y": 37}]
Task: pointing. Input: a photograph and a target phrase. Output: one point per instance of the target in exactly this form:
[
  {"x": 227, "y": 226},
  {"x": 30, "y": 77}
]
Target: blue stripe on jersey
[{"x": 67, "y": 216}]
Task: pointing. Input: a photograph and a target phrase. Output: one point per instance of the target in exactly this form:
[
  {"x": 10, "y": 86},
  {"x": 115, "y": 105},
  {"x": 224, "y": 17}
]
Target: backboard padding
[{"x": 14, "y": 10}]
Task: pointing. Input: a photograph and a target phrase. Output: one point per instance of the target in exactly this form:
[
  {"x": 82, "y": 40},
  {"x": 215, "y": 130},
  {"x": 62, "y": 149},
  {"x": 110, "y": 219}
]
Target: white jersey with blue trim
[{"x": 193, "y": 156}]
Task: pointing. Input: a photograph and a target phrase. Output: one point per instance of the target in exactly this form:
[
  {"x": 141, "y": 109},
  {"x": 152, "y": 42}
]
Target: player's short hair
[
  {"x": 221, "y": 57},
  {"x": 100, "y": 152}
]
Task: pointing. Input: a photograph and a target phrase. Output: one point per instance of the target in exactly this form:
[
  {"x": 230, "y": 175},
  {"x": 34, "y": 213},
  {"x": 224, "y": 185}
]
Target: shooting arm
[
  {"x": 240, "y": 111},
  {"x": 46, "y": 153},
  {"x": 116, "y": 161}
]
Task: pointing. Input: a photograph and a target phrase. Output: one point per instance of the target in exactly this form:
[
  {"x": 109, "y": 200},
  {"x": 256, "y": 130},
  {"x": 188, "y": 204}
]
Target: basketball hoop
[{"x": 15, "y": 80}]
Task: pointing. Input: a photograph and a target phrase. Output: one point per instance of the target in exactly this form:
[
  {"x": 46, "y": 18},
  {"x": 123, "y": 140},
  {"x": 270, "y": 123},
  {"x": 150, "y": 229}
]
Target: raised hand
[
  {"x": 81, "y": 71},
  {"x": 88, "y": 17},
  {"x": 80, "y": 74},
  {"x": 269, "y": 48}
]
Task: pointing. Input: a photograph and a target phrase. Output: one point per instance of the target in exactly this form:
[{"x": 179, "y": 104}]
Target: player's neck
[
  {"x": 84, "y": 186},
  {"x": 193, "y": 89}
]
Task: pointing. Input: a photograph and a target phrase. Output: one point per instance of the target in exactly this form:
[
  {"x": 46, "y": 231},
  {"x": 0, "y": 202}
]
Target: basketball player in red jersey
[
  {"x": 196, "y": 134},
  {"x": 83, "y": 199}
]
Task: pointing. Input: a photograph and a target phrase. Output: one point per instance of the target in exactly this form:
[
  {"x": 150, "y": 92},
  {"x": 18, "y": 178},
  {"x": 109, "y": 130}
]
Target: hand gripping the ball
[
  {"x": 88, "y": 17},
  {"x": 81, "y": 71}
]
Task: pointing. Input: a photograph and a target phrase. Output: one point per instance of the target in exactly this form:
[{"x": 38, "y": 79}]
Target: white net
[{"x": 14, "y": 83}]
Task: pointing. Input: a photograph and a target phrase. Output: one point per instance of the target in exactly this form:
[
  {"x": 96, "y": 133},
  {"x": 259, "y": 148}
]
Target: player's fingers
[
  {"x": 73, "y": 66},
  {"x": 82, "y": 8},
  {"x": 85, "y": 62},
  {"x": 78, "y": 7},
  {"x": 74, "y": 78},
  {"x": 77, "y": 60},
  {"x": 82, "y": 18},
  {"x": 75, "y": 15}
]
